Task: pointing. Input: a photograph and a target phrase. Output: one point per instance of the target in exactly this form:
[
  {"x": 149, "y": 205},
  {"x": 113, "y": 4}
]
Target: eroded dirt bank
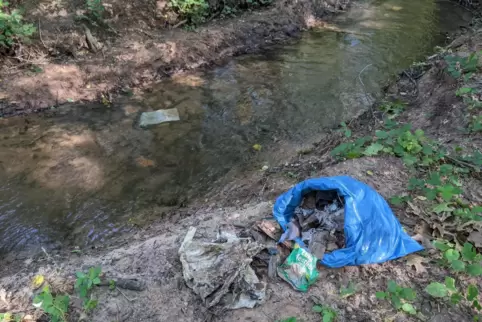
[
  {"x": 135, "y": 50},
  {"x": 430, "y": 103}
]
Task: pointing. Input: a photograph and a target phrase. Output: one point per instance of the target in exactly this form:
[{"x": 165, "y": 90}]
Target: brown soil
[{"x": 137, "y": 47}]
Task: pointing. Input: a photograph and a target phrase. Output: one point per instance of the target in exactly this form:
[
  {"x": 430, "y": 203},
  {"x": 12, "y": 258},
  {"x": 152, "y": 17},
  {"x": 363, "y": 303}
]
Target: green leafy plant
[
  {"x": 345, "y": 129},
  {"x": 392, "y": 109},
  {"x": 112, "y": 285},
  {"x": 327, "y": 313},
  {"x": 348, "y": 291},
  {"x": 458, "y": 66},
  {"x": 448, "y": 290},
  {"x": 12, "y": 27},
  {"x": 399, "y": 297},
  {"x": 95, "y": 9},
  {"x": 475, "y": 124},
  {"x": 55, "y": 306},
  {"x": 85, "y": 283},
  {"x": 468, "y": 260},
  {"x": 10, "y": 317},
  {"x": 290, "y": 319},
  {"x": 195, "y": 11}
]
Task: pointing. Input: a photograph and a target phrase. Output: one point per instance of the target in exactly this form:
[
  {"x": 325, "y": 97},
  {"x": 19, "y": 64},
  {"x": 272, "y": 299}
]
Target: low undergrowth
[
  {"x": 13, "y": 29},
  {"x": 195, "y": 12},
  {"x": 56, "y": 305},
  {"x": 437, "y": 185}
]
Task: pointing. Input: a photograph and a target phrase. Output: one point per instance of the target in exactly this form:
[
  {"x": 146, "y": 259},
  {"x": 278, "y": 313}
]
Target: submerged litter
[{"x": 159, "y": 116}]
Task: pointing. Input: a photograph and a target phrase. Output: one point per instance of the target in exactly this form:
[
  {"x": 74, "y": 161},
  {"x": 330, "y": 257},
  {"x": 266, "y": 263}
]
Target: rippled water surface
[{"x": 81, "y": 174}]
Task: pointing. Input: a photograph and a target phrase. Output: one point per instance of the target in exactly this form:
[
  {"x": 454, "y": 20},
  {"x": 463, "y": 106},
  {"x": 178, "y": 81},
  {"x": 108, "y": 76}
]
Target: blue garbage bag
[{"x": 372, "y": 232}]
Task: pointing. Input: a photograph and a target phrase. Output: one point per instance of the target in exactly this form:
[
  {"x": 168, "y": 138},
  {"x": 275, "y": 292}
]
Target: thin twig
[
  {"x": 118, "y": 310},
  {"x": 364, "y": 90},
  {"x": 49, "y": 257},
  {"x": 473, "y": 166},
  {"x": 40, "y": 35},
  {"x": 180, "y": 23},
  {"x": 359, "y": 74},
  {"x": 127, "y": 298}
]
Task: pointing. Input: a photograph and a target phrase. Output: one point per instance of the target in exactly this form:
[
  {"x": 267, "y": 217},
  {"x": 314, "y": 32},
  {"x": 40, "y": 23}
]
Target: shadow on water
[{"x": 81, "y": 174}]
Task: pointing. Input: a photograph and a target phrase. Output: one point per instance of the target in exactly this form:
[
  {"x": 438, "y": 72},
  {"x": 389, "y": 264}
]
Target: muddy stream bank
[{"x": 77, "y": 175}]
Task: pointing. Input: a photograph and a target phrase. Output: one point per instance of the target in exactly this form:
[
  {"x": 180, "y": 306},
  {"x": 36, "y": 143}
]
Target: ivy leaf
[
  {"x": 448, "y": 191},
  {"x": 458, "y": 265},
  {"x": 450, "y": 284},
  {"x": 397, "y": 303},
  {"x": 317, "y": 309},
  {"x": 456, "y": 298},
  {"x": 381, "y": 134},
  {"x": 407, "y": 307},
  {"x": 409, "y": 159},
  {"x": 443, "y": 207},
  {"x": 441, "y": 246},
  {"x": 468, "y": 252},
  {"x": 373, "y": 149},
  {"x": 474, "y": 269},
  {"x": 436, "y": 289},
  {"x": 329, "y": 316},
  {"x": 451, "y": 255},
  {"x": 392, "y": 286},
  {"x": 381, "y": 295},
  {"x": 476, "y": 305},
  {"x": 348, "y": 291},
  {"x": 472, "y": 292},
  {"x": 434, "y": 179},
  {"x": 407, "y": 294}
]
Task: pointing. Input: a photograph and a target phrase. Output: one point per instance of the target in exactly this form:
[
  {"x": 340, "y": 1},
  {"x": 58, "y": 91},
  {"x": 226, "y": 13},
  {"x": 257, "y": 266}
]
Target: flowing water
[{"x": 81, "y": 174}]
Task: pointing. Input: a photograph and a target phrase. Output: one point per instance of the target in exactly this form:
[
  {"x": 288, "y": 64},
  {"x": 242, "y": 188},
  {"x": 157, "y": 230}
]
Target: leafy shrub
[
  {"x": 12, "y": 28},
  {"x": 327, "y": 313},
  {"x": 95, "y": 9},
  {"x": 194, "y": 11},
  {"x": 458, "y": 66},
  {"x": 55, "y": 306},
  {"x": 399, "y": 297},
  {"x": 85, "y": 283}
]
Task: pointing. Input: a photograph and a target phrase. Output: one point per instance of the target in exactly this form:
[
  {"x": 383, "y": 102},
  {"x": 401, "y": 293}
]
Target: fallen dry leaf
[
  {"x": 416, "y": 261},
  {"x": 423, "y": 240},
  {"x": 143, "y": 162},
  {"x": 37, "y": 281},
  {"x": 475, "y": 238}
]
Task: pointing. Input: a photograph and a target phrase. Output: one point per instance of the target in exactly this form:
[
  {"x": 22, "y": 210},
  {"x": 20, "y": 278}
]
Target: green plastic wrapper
[{"x": 299, "y": 269}]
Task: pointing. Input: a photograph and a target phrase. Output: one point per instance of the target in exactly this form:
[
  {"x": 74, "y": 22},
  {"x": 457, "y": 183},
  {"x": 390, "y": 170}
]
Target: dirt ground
[
  {"x": 137, "y": 46},
  {"x": 151, "y": 255}
]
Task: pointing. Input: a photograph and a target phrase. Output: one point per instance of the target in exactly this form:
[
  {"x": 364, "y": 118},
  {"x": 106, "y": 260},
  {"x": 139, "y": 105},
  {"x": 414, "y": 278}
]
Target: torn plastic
[
  {"x": 220, "y": 272},
  {"x": 159, "y": 116},
  {"x": 299, "y": 269},
  {"x": 372, "y": 232}
]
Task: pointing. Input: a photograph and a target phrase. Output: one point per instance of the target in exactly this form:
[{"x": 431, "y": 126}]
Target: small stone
[{"x": 349, "y": 309}]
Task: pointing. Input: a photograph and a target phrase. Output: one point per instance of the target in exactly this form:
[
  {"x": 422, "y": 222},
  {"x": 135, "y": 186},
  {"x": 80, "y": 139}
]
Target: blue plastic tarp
[{"x": 372, "y": 232}]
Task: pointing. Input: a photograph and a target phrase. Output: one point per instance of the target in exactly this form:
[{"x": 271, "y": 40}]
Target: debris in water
[{"x": 159, "y": 116}]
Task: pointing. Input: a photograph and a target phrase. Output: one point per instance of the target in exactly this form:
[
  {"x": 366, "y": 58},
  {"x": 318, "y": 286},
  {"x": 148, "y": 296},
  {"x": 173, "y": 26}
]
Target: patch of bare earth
[{"x": 135, "y": 46}]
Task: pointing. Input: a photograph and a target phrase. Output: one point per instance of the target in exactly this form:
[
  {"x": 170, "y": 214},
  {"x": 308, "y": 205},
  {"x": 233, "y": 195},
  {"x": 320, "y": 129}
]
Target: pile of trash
[
  {"x": 319, "y": 221},
  {"x": 333, "y": 222}
]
